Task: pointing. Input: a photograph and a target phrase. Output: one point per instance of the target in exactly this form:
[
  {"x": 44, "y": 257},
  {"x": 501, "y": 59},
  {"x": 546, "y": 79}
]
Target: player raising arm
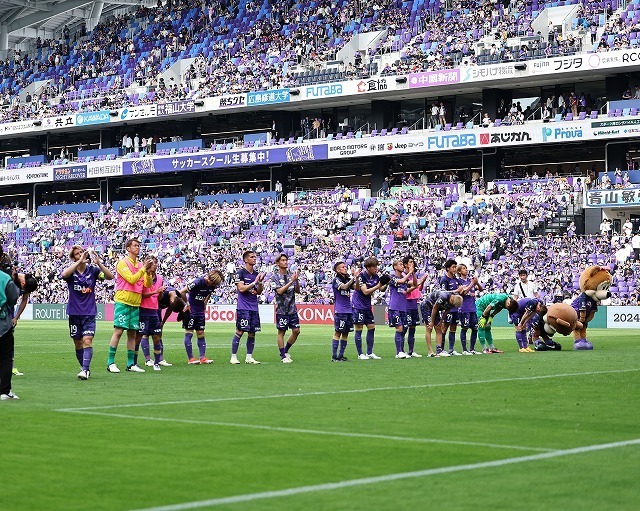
[{"x": 81, "y": 277}]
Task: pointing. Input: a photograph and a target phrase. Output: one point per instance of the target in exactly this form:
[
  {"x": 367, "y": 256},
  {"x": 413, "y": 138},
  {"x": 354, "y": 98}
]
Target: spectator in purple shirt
[{"x": 81, "y": 277}]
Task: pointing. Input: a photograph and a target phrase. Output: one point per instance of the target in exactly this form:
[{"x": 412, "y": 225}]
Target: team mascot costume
[
  {"x": 595, "y": 282},
  {"x": 560, "y": 318}
]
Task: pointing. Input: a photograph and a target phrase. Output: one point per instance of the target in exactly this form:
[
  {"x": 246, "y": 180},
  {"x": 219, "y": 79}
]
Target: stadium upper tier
[{"x": 247, "y": 46}]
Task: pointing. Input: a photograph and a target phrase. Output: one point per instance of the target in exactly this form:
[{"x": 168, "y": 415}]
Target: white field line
[
  {"x": 319, "y": 432},
  {"x": 351, "y": 391},
  {"x": 290, "y": 492}
]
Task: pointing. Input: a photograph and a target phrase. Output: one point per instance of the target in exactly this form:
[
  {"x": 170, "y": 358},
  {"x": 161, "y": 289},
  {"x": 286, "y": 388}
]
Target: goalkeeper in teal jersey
[{"x": 487, "y": 307}]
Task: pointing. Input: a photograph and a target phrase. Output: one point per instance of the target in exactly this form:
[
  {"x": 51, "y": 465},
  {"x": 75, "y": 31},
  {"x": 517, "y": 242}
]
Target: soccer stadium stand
[{"x": 116, "y": 136}]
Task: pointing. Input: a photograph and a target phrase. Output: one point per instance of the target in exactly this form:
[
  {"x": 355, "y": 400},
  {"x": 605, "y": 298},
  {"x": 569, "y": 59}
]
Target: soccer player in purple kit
[
  {"x": 414, "y": 291},
  {"x": 434, "y": 305},
  {"x": 397, "y": 312},
  {"x": 527, "y": 308},
  {"x": 468, "y": 315},
  {"x": 198, "y": 292},
  {"x": 286, "y": 285},
  {"x": 81, "y": 277},
  {"x": 249, "y": 284},
  {"x": 342, "y": 309},
  {"x": 449, "y": 282},
  {"x": 367, "y": 284}
]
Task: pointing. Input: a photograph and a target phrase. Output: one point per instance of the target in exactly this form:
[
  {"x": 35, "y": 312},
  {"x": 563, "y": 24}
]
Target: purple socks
[
  {"x": 411, "y": 338},
  {"x": 87, "y": 355},
  {"x": 452, "y": 340},
  {"x": 188, "y": 346},
  {"x": 358, "y": 341},
  {"x": 370, "y": 336},
  {"x": 202, "y": 346},
  {"x": 79, "y": 355},
  {"x": 474, "y": 338},
  {"x": 399, "y": 340},
  {"x": 235, "y": 344},
  {"x": 144, "y": 344},
  {"x": 334, "y": 348},
  {"x": 251, "y": 342}
]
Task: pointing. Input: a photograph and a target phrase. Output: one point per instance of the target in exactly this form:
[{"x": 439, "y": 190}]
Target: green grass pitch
[{"x": 512, "y": 431}]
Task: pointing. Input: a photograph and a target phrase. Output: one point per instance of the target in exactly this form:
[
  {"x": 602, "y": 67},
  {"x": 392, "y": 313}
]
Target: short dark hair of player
[
  {"x": 449, "y": 263},
  {"x": 178, "y": 304},
  {"x": 130, "y": 242},
  {"x": 523, "y": 272},
  {"x": 512, "y": 306},
  {"x": 335, "y": 266},
  {"x": 246, "y": 254},
  {"x": 370, "y": 262},
  {"x": 30, "y": 283},
  {"x": 282, "y": 256},
  {"x": 406, "y": 259}
]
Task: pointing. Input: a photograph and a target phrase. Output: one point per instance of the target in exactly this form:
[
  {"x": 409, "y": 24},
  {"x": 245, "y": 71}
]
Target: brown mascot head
[
  {"x": 595, "y": 282},
  {"x": 561, "y": 318}
]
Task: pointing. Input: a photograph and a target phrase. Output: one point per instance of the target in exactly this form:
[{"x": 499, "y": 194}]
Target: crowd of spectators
[
  {"x": 495, "y": 235},
  {"x": 254, "y": 47}
]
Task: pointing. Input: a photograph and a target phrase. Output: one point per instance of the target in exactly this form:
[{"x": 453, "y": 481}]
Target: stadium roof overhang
[{"x": 29, "y": 19}]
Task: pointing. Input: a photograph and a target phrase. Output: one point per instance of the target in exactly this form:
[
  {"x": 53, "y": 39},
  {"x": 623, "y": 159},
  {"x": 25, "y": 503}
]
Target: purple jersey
[
  {"x": 359, "y": 300},
  {"x": 341, "y": 297},
  {"x": 82, "y": 296},
  {"x": 439, "y": 298},
  {"x": 247, "y": 300},
  {"x": 199, "y": 291},
  {"x": 584, "y": 303},
  {"x": 525, "y": 305},
  {"x": 397, "y": 294},
  {"x": 468, "y": 300},
  {"x": 449, "y": 284},
  {"x": 165, "y": 300}
]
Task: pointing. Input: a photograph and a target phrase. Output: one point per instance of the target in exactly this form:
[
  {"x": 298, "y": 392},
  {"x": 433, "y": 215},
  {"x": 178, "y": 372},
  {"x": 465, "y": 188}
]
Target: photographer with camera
[
  {"x": 26, "y": 284},
  {"x": 9, "y": 294}
]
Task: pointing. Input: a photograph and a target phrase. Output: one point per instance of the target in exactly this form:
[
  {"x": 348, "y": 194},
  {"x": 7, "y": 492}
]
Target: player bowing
[
  {"x": 286, "y": 285},
  {"x": 81, "y": 277},
  {"x": 527, "y": 308},
  {"x": 434, "y": 306},
  {"x": 198, "y": 292}
]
